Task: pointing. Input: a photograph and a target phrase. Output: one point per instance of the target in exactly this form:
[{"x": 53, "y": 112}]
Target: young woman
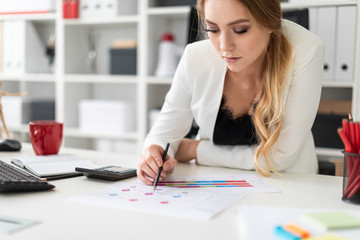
[{"x": 253, "y": 88}]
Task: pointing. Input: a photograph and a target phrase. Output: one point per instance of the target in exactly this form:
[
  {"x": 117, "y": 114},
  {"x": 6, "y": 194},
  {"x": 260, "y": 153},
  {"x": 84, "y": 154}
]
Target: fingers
[
  {"x": 149, "y": 165},
  {"x": 169, "y": 165},
  {"x": 141, "y": 175},
  {"x": 155, "y": 151},
  {"x": 147, "y": 175}
]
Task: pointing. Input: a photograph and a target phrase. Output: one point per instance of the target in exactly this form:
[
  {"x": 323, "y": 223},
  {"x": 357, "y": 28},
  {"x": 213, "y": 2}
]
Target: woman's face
[{"x": 236, "y": 36}]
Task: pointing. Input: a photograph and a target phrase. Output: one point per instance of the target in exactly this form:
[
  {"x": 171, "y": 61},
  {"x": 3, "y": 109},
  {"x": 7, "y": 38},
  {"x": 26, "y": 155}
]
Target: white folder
[
  {"x": 1, "y": 47},
  {"x": 345, "y": 49},
  {"x": 86, "y": 8},
  {"x": 107, "y": 8},
  {"x": 313, "y": 19},
  {"x": 323, "y": 24},
  {"x": 27, "y": 6},
  {"x": 24, "y": 51}
]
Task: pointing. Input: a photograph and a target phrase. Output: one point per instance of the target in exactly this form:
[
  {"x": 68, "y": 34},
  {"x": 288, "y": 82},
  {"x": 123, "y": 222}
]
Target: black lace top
[{"x": 233, "y": 131}]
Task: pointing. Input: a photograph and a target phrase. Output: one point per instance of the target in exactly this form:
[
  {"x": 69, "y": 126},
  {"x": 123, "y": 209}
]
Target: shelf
[
  {"x": 78, "y": 133},
  {"x": 21, "y": 129},
  {"x": 87, "y": 78},
  {"x": 338, "y": 84},
  {"x": 332, "y": 152},
  {"x": 29, "y": 17},
  {"x": 159, "y": 80},
  {"x": 311, "y": 3},
  {"x": 28, "y": 77},
  {"x": 75, "y": 132},
  {"x": 101, "y": 21},
  {"x": 181, "y": 10}
]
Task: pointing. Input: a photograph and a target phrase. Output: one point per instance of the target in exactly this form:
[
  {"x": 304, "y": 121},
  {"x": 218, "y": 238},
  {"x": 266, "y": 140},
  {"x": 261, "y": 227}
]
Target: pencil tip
[
  {"x": 154, "y": 188},
  {"x": 350, "y": 116}
]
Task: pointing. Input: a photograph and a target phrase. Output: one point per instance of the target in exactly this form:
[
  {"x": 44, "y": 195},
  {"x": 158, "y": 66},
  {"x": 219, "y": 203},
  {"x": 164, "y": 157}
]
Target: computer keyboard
[{"x": 16, "y": 180}]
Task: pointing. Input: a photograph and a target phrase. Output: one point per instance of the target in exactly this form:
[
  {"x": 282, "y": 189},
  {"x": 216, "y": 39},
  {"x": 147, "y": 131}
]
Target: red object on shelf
[
  {"x": 70, "y": 8},
  {"x": 66, "y": 6},
  {"x": 167, "y": 37},
  {"x": 74, "y": 9}
]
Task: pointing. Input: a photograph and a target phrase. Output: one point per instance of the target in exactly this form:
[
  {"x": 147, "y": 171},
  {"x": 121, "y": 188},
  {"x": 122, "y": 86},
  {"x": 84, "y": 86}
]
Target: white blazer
[{"x": 196, "y": 93}]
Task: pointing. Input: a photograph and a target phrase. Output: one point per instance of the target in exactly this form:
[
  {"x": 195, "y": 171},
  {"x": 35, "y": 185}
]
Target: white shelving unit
[{"x": 72, "y": 82}]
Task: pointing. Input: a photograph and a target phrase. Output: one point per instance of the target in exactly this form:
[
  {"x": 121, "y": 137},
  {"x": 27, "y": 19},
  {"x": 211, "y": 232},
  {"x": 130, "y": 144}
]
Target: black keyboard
[{"x": 16, "y": 180}]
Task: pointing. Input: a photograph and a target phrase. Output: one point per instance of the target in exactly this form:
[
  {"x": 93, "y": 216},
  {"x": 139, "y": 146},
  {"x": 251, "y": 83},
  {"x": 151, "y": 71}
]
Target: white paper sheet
[{"x": 199, "y": 203}]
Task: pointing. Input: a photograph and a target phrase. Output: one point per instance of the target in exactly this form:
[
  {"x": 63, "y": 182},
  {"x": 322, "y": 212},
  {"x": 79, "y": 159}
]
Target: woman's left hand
[{"x": 187, "y": 150}]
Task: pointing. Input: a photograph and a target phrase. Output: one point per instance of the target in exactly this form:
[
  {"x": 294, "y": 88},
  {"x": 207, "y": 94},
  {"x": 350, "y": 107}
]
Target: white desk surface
[{"x": 63, "y": 219}]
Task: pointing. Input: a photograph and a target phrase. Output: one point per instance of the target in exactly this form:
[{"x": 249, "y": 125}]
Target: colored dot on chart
[
  {"x": 133, "y": 200},
  {"x": 164, "y": 202},
  {"x": 112, "y": 194},
  {"x": 125, "y": 190},
  {"x": 150, "y": 193}
]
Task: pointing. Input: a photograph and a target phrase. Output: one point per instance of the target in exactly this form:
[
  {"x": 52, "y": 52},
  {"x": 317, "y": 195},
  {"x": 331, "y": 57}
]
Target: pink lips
[{"x": 231, "y": 59}]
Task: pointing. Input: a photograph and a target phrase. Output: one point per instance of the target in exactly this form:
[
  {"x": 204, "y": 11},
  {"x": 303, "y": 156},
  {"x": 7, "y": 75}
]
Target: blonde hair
[{"x": 269, "y": 112}]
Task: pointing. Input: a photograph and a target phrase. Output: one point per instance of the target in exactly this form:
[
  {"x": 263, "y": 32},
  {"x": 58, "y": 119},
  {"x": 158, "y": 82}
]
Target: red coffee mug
[{"x": 46, "y": 136}]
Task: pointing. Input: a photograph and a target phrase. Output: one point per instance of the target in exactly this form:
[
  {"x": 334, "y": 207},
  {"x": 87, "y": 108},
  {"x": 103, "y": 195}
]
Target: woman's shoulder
[
  {"x": 202, "y": 49},
  {"x": 300, "y": 38},
  {"x": 202, "y": 54}
]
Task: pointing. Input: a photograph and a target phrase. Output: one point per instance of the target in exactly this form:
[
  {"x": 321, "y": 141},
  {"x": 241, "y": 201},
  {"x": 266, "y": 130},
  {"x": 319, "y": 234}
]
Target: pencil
[{"x": 160, "y": 168}]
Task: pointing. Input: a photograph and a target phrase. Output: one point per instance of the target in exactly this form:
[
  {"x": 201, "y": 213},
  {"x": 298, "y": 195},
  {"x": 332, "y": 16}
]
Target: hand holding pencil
[
  {"x": 151, "y": 161},
  {"x": 161, "y": 168}
]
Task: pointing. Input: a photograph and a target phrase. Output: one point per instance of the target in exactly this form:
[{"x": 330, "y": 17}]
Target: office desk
[{"x": 63, "y": 219}]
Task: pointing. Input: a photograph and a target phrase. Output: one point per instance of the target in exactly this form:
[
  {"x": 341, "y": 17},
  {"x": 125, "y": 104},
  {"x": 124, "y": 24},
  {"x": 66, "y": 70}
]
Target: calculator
[{"x": 111, "y": 173}]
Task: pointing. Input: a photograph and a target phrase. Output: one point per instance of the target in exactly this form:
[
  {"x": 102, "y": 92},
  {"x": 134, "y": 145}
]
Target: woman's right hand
[{"x": 148, "y": 167}]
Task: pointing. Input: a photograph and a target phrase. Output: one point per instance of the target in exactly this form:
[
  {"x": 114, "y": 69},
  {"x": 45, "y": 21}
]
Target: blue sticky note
[{"x": 280, "y": 232}]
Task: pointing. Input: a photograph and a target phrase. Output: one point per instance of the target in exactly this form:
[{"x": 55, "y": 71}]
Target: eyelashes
[
  {"x": 214, "y": 30},
  {"x": 211, "y": 30},
  {"x": 241, "y": 31}
]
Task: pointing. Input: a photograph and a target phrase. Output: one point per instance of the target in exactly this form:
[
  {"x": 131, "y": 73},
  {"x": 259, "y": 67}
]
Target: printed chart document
[
  {"x": 53, "y": 165},
  {"x": 198, "y": 197}
]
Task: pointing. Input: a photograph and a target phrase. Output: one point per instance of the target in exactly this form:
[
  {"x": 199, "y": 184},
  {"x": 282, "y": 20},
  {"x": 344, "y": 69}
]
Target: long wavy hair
[{"x": 269, "y": 112}]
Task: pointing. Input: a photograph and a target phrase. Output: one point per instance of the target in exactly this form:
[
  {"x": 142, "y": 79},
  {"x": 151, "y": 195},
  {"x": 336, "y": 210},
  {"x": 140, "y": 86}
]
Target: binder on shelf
[
  {"x": 107, "y": 8},
  {"x": 313, "y": 19},
  {"x": 70, "y": 8},
  {"x": 74, "y": 9},
  {"x": 65, "y": 8},
  {"x": 323, "y": 24},
  {"x": 1, "y": 47},
  {"x": 345, "y": 49},
  {"x": 86, "y": 8},
  {"x": 23, "y": 50},
  {"x": 26, "y": 6}
]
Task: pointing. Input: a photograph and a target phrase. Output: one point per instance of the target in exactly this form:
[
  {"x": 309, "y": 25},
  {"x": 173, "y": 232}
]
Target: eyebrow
[{"x": 231, "y": 23}]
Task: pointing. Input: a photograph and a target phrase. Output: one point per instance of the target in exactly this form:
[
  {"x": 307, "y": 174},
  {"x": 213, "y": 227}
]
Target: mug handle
[{"x": 38, "y": 133}]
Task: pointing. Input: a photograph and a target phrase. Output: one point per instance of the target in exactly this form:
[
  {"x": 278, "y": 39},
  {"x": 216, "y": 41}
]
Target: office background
[{"x": 96, "y": 69}]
